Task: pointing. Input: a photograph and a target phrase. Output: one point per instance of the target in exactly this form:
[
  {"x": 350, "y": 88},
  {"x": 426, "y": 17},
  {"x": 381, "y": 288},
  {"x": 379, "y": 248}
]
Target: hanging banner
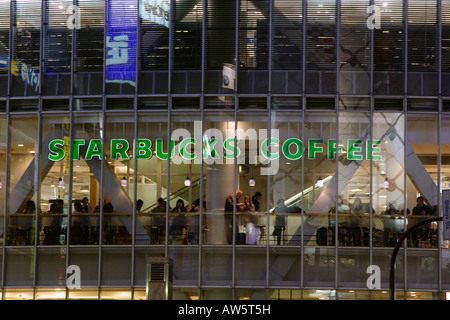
[
  {"x": 446, "y": 213},
  {"x": 121, "y": 34}
]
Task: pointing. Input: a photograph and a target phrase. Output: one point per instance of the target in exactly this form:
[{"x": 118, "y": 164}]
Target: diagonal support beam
[{"x": 346, "y": 170}]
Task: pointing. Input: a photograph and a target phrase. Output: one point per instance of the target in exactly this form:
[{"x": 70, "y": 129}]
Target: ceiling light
[
  {"x": 251, "y": 182},
  {"x": 187, "y": 182}
]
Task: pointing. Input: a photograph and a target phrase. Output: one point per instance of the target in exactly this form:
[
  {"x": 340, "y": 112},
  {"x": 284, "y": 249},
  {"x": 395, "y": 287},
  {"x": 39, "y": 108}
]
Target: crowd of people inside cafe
[
  {"x": 353, "y": 228},
  {"x": 388, "y": 225}
]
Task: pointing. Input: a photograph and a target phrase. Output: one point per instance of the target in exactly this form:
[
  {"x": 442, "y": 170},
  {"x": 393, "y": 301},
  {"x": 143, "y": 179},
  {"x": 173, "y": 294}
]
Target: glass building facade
[{"x": 334, "y": 116}]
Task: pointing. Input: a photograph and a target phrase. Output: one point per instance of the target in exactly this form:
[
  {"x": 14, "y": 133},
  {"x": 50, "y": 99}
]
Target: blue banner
[{"x": 121, "y": 34}]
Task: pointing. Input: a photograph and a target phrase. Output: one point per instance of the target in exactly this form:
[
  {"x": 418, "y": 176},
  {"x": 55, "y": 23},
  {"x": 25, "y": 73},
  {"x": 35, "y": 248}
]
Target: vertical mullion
[
  {"x": 439, "y": 162},
  {"x": 169, "y": 122},
  {"x": 135, "y": 164},
  {"x": 371, "y": 126},
  {"x": 302, "y": 250},
  {"x": 37, "y": 160},
  {"x": 102, "y": 137},
  {"x": 202, "y": 108},
  {"x": 336, "y": 108},
  {"x": 8, "y": 145},
  {"x": 405, "y": 100},
  {"x": 236, "y": 104},
  {"x": 269, "y": 111}
]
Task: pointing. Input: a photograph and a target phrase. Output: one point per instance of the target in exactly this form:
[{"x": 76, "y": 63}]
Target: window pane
[
  {"x": 86, "y": 177},
  {"x": 118, "y": 179},
  {"x": 57, "y": 48},
  {"x": 23, "y": 181},
  {"x": 154, "y": 47},
  {"x": 421, "y": 166},
  {"x": 287, "y": 46},
  {"x": 184, "y": 196},
  {"x": 217, "y": 221},
  {"x": 89, "y": 47},
  {"x": 151, "y": 179},
  {"x": 253, "y": 46},
  {"x": 422, "y": 47},
  {"x": 388, "y": 176},
  {"x": 220, "y": 46},
  {"x": 388, "y": 49},
  {"x": 187, "y": 46},
  {"x": 354, "y": 65},
  {"x": 321, "y": 47},
  {"x": 54, "y": 194}
]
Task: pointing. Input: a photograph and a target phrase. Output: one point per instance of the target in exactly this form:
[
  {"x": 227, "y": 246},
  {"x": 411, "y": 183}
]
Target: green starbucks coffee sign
[{"x": 189, "y": 149}]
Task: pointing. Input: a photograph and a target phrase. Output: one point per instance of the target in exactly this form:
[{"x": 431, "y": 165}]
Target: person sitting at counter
[
  {"x": 248, "y": 205},
  {"x": 256, "y": 200},
  {"x": 86, "y": 207},
  {"x": 58, "y": 207},
  {"x": 161, "y": 207},
  {"x": 391, "y": 210},
  {"x": 77, "y": 207},
  {"x": 342, "y": 206},
  {"x": 30, "y": 207}
]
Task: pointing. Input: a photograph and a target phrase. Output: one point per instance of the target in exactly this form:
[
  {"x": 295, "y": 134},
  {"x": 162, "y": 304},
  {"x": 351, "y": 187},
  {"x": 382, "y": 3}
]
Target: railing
[{"x": 352, "y": 229}]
